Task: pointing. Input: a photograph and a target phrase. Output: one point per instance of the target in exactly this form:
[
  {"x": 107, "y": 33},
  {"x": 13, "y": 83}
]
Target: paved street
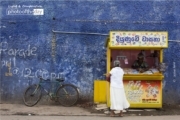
[
  {"x": 57, "y": 112},
  {"x": 40, "y": 110},
  {"x": 89, "y": 118}
]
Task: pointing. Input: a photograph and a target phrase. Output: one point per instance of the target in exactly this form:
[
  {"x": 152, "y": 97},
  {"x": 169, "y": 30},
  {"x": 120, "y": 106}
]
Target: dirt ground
[{"x": 165, "y": 110}]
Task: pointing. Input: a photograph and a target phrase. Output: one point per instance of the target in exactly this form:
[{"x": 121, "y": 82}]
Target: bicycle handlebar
[{"x": 42, "y": 79}]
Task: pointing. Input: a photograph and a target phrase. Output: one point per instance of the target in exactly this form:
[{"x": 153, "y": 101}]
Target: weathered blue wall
[{"x": 28, "y": 48}]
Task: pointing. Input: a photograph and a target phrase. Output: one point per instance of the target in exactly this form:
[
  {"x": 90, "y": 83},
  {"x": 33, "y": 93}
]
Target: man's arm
[
  {"x": 146, "y": 67},
  {"x": 108, "y": 75},
  {"x": 135, "y": 65}
]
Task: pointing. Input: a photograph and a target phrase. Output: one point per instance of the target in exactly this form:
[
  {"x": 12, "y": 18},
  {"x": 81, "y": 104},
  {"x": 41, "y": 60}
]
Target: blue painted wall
[{"x": 29, "y": 48}]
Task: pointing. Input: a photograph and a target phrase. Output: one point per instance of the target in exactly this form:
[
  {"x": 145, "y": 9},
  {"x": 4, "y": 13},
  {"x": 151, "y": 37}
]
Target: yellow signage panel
[
  {"x": 139, "y": 39},
  {"x": 143, "y": 92}
]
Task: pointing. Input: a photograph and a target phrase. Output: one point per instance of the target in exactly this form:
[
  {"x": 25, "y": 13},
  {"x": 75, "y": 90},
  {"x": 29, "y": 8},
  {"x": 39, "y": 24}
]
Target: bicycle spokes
[
  {"x": 67, "y": 95},
  {"x": 32, "y": 95}
]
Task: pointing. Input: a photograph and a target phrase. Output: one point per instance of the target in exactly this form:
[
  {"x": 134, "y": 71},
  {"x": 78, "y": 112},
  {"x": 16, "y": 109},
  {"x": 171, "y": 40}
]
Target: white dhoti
[{"x": 118, "y": 99}]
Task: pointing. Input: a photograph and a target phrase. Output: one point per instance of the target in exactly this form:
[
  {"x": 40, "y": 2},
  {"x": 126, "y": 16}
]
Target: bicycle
[{"x": 66, "y": 94}]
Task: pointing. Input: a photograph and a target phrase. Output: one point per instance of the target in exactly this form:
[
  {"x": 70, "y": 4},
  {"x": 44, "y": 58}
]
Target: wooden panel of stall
[
  {"x": 100, "y": 90},
  {"x": 143, "y": 90}
]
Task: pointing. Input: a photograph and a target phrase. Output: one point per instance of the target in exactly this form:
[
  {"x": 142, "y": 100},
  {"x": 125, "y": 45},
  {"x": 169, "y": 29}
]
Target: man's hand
[
  {"x": 108, "y": 75},
  {"x": 140, "y": 70}
]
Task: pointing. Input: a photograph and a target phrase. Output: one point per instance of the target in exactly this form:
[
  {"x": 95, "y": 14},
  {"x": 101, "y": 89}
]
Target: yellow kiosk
[{"x": 143, "y": 90}]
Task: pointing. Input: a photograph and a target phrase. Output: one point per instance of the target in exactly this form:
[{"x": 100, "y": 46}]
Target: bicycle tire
[
  {"x": 67, "y": 95},
  {"x": 32, "y": 95}
]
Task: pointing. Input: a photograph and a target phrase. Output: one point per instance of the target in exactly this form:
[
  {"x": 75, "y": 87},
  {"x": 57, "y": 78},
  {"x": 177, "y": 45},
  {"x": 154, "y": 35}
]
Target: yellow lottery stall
[{"x": 143, "y": 90}]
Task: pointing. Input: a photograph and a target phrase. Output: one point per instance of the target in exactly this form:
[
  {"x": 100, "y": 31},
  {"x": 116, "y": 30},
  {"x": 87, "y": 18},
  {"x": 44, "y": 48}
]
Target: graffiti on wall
[
  {"x": 10, "y": 62},
  {"x": 29, "y": 51}
]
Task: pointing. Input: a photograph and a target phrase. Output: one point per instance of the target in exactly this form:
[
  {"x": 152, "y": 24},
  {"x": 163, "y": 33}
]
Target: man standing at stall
[
  {"x": 139, "y": 64},
  {"x": 117, "y": 93}
]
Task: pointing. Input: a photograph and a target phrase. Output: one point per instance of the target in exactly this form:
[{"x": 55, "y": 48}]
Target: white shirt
[{"x": 117, "y": 77}]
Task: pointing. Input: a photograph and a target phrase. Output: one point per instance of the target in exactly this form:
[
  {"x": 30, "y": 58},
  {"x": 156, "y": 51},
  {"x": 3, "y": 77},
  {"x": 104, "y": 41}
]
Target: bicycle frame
[
  {"x": 52, "y": 92},
  {"x": 37, "y": 87}
]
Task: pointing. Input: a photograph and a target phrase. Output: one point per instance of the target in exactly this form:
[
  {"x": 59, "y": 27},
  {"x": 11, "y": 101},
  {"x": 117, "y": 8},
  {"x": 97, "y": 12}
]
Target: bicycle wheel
[
  {"x": 32, "y": 95},
  {"x": 67, "y": 95}
]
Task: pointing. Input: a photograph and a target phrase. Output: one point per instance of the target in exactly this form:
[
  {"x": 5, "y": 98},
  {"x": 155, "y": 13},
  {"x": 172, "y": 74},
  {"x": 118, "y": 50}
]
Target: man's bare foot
[
  {"x": 121, "y": 114},
  {"x": 112, "y": 114}
]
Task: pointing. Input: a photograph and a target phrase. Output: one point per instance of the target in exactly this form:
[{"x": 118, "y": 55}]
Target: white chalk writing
[
  {"x": 11, "y": 61},
  {"x": 29, "y": 51}
]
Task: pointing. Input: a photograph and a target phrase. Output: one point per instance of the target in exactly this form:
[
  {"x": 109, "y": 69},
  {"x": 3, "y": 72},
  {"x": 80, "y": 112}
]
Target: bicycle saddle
[{"x": 60, "y": 80}]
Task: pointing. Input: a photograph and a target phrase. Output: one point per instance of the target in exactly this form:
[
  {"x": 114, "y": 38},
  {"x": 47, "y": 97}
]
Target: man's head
[
  {"x": 140, "y": 58},
  {"x": 117, "y": 63}
]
